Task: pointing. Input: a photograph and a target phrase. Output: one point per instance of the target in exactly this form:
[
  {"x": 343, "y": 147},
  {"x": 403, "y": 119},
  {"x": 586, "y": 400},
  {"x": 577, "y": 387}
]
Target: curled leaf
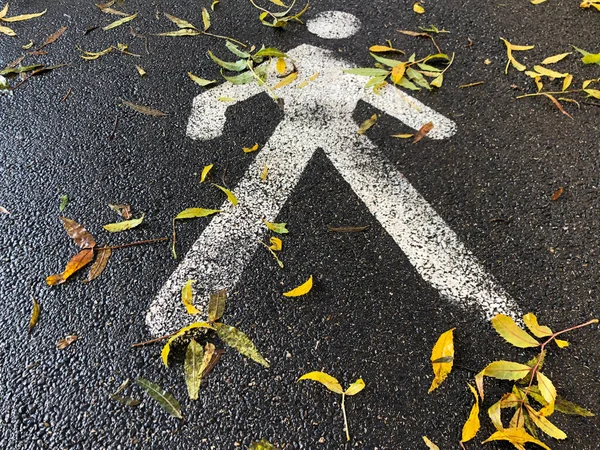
[
  {"x": 325, "y": 379},
  {"x": 303, "y": 289},
  {"x": 66, "y": 341},
  {"x": 276, "y": 244},
  {"x": 200, "y": 81},
  {"x": 250, "y": 149},
  {"x": 167, "y": 347},
  {"x": 204, "y": 173},
  {"x": 164, "y": 398},
  {"x": 239, "y": 341},
  {"x": 367, "y": 124},
  {"x": 230, "y": 195},
  {"x": 425, "y": 128},
  {"x": 99, "y": 265},
  {"x": 471, "y": 426},
  {"x": 287, "y": 80},
  {"x": 187, "y": 298},
  {"x": 418, "y": 8},
  {"x": 516, "y": 436},
  {"x": 276, "y": 227},
  {"x": 355, "y": 387},
  {"x": 123, "y": 210},
  {"x": 443, "y": 348},
  {"x": 123, "y": 226},
  {"x": 536, "y": 329}
]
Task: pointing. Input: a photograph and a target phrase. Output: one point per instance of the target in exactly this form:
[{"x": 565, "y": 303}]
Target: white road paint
[
  {"x": 320, "y": 116},
  {"x": 334, "y": 25}
]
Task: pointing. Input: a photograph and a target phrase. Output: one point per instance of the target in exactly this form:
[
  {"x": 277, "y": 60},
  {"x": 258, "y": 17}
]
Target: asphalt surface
[{"x": 370, "y": 315}]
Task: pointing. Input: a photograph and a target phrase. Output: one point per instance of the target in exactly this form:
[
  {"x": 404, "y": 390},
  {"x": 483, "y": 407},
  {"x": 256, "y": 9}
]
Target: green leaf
[
  {"x": 193, "y": 213},
  {"x": 194, "y": 356},
  {"x": 269, "y": 52},
  {"x": 20, "y": 69},
  {"x": 561, "y": 405},
  {"x": 407, "y": 84},
  {"x": 64, "y": 200},
  {"x": 428, "y": 68},
  {"x": 276, "y": 227},
  {"x": 375, "y": 81},
  {"x": 237, "y": 66},
  {"x": 437, "y": 82},
  {"x": 417, "y": 78},
  {"x": 216, "y": 305},
  {"x": 236, "y": 50},
  {"x": 591, "y": 58},
  {"x": 512, "y": 333},
  {"x": 127, "y": 401},
  {"x": 164, "y": 399},
  {"x": 167, "y": 348},
  {"x": 125, "y": 225},
  {"x": 242, "y": 78},
  {"x": 201, "y": 81},
  {"x": 368, "y": 72},
  {"x": 239, "y": 341},
  {"x": 120, "y": 22},
  {"x": 386, "y": 61}
]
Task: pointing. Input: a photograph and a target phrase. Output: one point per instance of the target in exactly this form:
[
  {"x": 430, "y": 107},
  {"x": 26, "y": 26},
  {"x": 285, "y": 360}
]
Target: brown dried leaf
[
  {"x": 423, "y": 131},
  {"x": 82, "y": 237},
  {"x": 77, "y": 262},
  {"x": 348, "y": 229},
  {"x": 100, "y": 263},
  {"x": 35, "y": 314},
  {"x": 557, "y": 194},
  {"x": 122, "y": 210},
  {"x": 53, "y": 37},
  {"x": 144, "y": 109},
  {"x": 66, "y": 341},
  {"x": 558, "y": 105}
]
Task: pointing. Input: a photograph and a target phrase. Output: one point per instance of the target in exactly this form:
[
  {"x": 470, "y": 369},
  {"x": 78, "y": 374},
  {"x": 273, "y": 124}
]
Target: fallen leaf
[
  {"x": 355, "y": 387},
  {"x": 430, "y": 445},
  {"x": 512, "y": 333},
  {"x": 511, "y": 60},
  {"x": 181, "y": 23},
  {"x": 558, "y": 105},
  {"x": 593, "y": 93},
  {"x": 418, "y": 8},
  {"x": 230, "y": 195},
  {"x": 100, "y": 264},
  {"x": 216, "y": 305},
  {"x": 141, "y": 71},
  {"x": 276, "y": 227},
  {"x": 545, "y": 425},
  {"x": 561, "y": 343},
  {"x": 325, "y": 379},
  {"x": 239, "y": 341},
  {"x": 167, "y": 347},
  {"x": 211, "y": 357},
  {"x": 64, "y": 201},
  {"x": 502, "y": 370},
  {"x": 264, "y": 174},
  {"x": 280, "y": 66},
  {"x": 204, "y": 173},
  {"x": 121, "y": 209},
  {"x": 426, "y": 128},
  {"x": 164, "y": 398},
  {"x": 193, "y": 213},
  {"x": 383, "y": 49},
  {"x": 123, "y": 226},
  {"x": 187, "y": 298},
  {"x": 367, "y": 72},
  {"x": 537, "y": 2},
  {"x": 536, "y": 329},
  {"x": 205, "y": 19},
  {"x": 367, "y": 124},
  {"x": 66, "y": 341},
  {"x": 444, "y": 347},
  {"x": 119, "y": 22},
  {"x": 144, "y": 109},
  {"x": 478, "y": 83},
  {"x": 181, "y": 32},
  {"x": 547, "y": 389},
  {"x": 77, "y": 262},
  {"x": 22, "y": 16},
  {"x": 287, "y": 80},
  {"x": 82, "y": 237},
  {"x": 250, "y": 149},
  {"x": 7, "y": 31},
  {"x": 194, "y": 356},
  {"x": 35, "y": 314},
  {"x": 263, "y": 444},
  {"x": 237, "y": 66},
  {"x": 403, "y": 136},
  {"x": 3, "y": 210},
  {"x": 555, "y": 58},
  {"x": 276, "y": 244},
  {"x": 127, "y": 401},
  {"x": 567, "y": 82},
  {"x": 303, "y": 289},
  {"x": 515, "y": 436},
  {"x": 348, "y": 229},
  {"x": 471, "y": 426},
  {"x": 201, "y": 81},
  {"x": 90, "y": 56}
]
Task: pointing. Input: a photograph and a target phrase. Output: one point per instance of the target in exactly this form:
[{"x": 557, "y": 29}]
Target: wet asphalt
[{"x": 369, "y": 314}]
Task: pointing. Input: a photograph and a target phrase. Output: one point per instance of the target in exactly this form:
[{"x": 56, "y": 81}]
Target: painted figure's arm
[{"x": 410, "y": 111}]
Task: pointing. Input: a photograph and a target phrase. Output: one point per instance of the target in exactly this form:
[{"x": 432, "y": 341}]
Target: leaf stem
[
  {"x": 152, "y": 341},
  {"x": 131, "y": 244},
  {"x": 345, "y": 418},
  {"x": 537, "y": 94},
  {"x": 224, "y": 37}
]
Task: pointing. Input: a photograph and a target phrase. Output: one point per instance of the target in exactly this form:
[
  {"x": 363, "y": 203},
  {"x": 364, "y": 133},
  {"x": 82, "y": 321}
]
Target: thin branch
[{"x": 152, "y": 341}]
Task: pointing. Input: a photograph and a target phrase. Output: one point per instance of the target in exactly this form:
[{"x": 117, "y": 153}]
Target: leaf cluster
[{"x": 279, "y": 19}]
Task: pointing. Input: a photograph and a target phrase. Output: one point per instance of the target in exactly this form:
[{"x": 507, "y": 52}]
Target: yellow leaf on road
[
  {"x": 205, "y": 172},
  {"x": 119, "y": 22},
  {"x": 22, "y": 16},
  {"x": 187, "y": 298},
  {"x": 230, "y": 195},
  {"x": 418, "y": 8},
  {"x": 511, "y": 332},
  {"x": 555, "y": 58},
  {"x": 471, "y": 426},
  {"x": 125, "y": 225},
  {"x": 167, "y": 347},
  {"x": 303, "y": 289},
  {"x": 192, "y": 366},
  {"x": 287, "y": 80},
  {"x": 549, "y": 73},
  {"x": 545, "y": 425},
  {"x": 367, "y": 124},
  {"x": 516, "y": 436},
  {"x": 502, "y": 370},
  {"x": 239, "y": 341},
  {"x": 194, "y": 213},
  {"x": 536, "y": 329},
  {"x": 355, "y": 387},
  {"x": 200, "y": 81},
  {"x": 430, "y": 445},
  {"x": 35, "y": 314},
  {"x": 325, "y": 379},
  {"x": 276, "y": 227},
  {"x": 250, "y": 149},
  {"x": 280, "y": 66},
  {"x": 443, "y": 348},
  {"x": 547, "y": 389},
  {"x": 276, "y": 244},
  {"x": 7, "y": 31},
  {"x": 183, "y": 24}
]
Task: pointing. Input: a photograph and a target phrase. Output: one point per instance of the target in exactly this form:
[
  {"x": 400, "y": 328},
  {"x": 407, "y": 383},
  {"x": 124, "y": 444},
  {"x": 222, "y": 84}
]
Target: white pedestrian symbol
[{"x": 319, "y": 116}]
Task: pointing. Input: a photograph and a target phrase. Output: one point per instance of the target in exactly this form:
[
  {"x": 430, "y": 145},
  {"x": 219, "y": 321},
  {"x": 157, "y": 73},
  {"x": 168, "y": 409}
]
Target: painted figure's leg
[
  {"x": 427, "y": 241},
  {"x": 218, "y": 257}
]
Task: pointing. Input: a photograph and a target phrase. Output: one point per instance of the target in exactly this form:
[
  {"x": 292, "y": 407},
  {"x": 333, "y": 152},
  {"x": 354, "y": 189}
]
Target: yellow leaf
[
  {"x": 183, "y": 24},
  {"x": 276, "y": 227},
  {"x": 545, "y": 425},
  {"x": 4, "y": 11},
  {"x": 398, "y": 72},
  {"x": 437, "y": 82},
  {"x": 314, "y": 76},
  {"x": 325, "y": 379},
  {"x": 264, "y": 174},
  {"x": 125, "y": 225},
  {"x": 538, "y": 83},
  {"x": 555, "y": 58},
  {"x": 230, "y": 195},
  {"x": 537, "y": 2},
  {"x": 250, "y": 149},
  {"x": 536, "y": 329},
  {"x": 519, "y": 48},
  {"x": 516, "y": 436},
  {"x": 302, "y": 84},
  {"x": 495, "y": 411},
  {"x": 567, "y": 82},
  {"x": 502, "y": 370},
  {"x": 304, "y": 288},
  {"x": 511, "y": 332},
  {"x": 23, "y": 17},
  {"x": 287, "y": 80},
  {"x": 205, "y": 19},
  {"x": 593, "y": 93},
  {"x": 403, "y": 136},
  {"x": 167, "y": 348},
  {"x": 119, "y": 22},
  {"x": 205, "y": 172},
  {"x": 187, "y": 298},
  {"x": 141, "y": 71},
  {"x": 355, "y": 387},
  {"x": 383, "y": 48},
  {"x": 180, "y": 32},
  {"x": 367, "y": 124},
  {"x": 561, "y": 343},
  {"x": 471, "y": 426},
  {"x": 549, "y": 73},
  {"x": 194, "y": 213},
  {"x": 430, "y": 445},
  {"x": 443, "y": 348},
  {"x": 35, "y": 314},
  {"x": 7, "y": 31},
  {"x": 276, "y": 244},
  {"x": 418, "y": 8},
  {"x": 280, "y": 66},
  {"x": 200, "y": 81},
  {"x": 547, "y": 389}
]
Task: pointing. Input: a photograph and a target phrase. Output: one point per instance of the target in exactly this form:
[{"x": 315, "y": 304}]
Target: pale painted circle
[{"x": 334, "y": 25}]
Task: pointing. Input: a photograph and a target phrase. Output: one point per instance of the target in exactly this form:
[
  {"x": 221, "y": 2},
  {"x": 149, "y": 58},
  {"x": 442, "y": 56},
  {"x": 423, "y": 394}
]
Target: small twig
[
  {"x": 537, "y": 94},
  {"x": 66, "y": 95},
  {"x": 152, "y": 341},
  {"x": 345, "y": 418},
  {"x": 224, "y": 37},
  {"x": 114, "y": 131},
  {"x": 141, "y": 36},
  {"x": 131, "y": 244}
]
